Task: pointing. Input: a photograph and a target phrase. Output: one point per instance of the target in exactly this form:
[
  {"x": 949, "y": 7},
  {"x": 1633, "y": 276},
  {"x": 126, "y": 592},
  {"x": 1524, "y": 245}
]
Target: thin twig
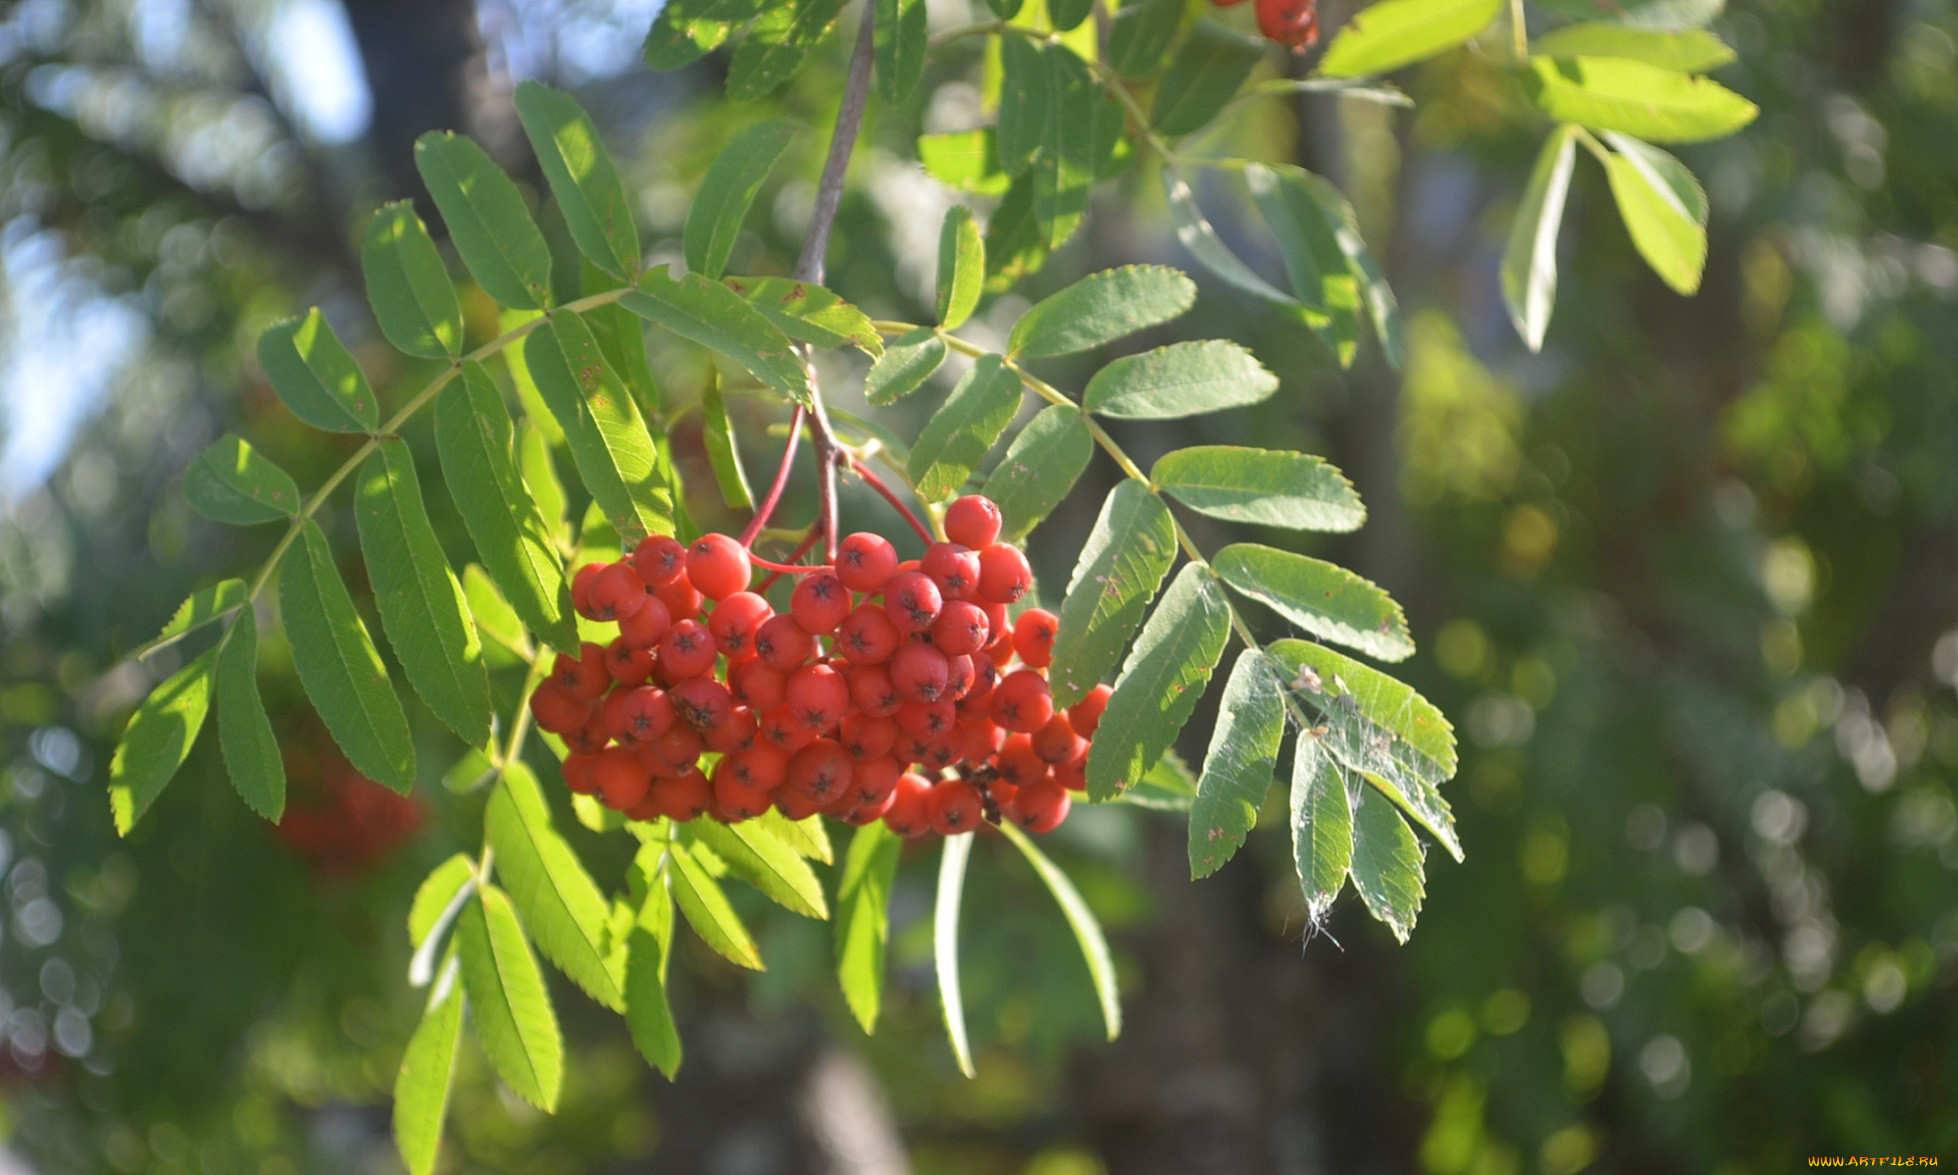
[
  {"x": 890, "y": 495},
  {"x": 782, "y": 470}
]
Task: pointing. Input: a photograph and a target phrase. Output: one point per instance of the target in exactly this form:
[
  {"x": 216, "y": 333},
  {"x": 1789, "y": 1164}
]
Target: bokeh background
[{"x": 1687, "y": 582}]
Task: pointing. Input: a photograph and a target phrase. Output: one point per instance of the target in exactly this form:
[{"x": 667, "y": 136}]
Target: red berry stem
[
  {"x": 785, "y": 568},
  {"x": 889, "y": 495},
  {"x": 769, "y": 503},
  {"x": 801, "y": 549}
]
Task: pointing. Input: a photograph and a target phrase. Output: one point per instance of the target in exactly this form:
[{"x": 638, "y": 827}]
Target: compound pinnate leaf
[
  {"x": 966, "y": 160},
  {"x": 1082, "y": 921},
  {"x": 1122, "y": 564},
  {"x": 1661, "y": 225},
  {"x": 1665, "y": 173},
  {"x": 158, "y": 740},
  {"x": 1040, "y": 467},
  {"x": 231, "y": 482},
  {"x": 1239, "y": 767},
  {"x": 1316, "y": 267},
  {"x": 902, "y": 33},
  {"x": 201, "y": 607},
  {"x": 476, "y": 442},
  {"x": 707, "y": 910},
  {"x": 1166, "y": 672},
  {"x": 339, "y": 665},
  {"x": 717, "y": 318},
  {"x": 908, "y": 361},
  {"x": 558, "y": 900},
  {"x": 1262, "y": 487},
  {"x": 251, "y": 750},
  {"x": 1067, "y": 14},
  {"x": 649, "y": 948},
  {"x": 316, "y": 377},
  {"x": 507, "y": 1000},
  {"x": 421, "y": 604},
  {"x": 809, "y": 313},
  {"x": 1195, "y": 233},
  {"x": 1140, "y": 34},
  {"x": 1071, "y": 144},
  {"x": 959, "y": 436},
  {"x": 602, "y": 427},
  {"x": 582, "y": 177},
  {"x": 1375, "y": 294},
  {"x": 1387, "y": 863},
  {"x": 1206, "y": 72},
  {"x": 1182, "y": 379},
  {"x": 1529, "y": 262},
  {"x": 1645, "y": 101},
  {"x": 961, "y": 267},
  {"x": 421, "y": 1087},
  {"x": 435, "y": 894},
  {"x": 863, "y": 918},
  {"x": 1322, "y": 826},
  {"x": 1323, "y": 598},
  {"x": 723, "y": 454},
  {"x": 806, "y": 836},
  {"x": 726, "y": 193},
  {"x": 760, "y": 858},
  {"x": 777, "y": 45},
  {"x": 1685, "y": 50},
  {"x": 414, "y": 301},
  {"x": 945, "y": 944},
  {"x": 491, "y": 229},
  {"x": 687, "y": 30},
  {"x": 1393, "y": 33},
  {"x": 1101, "y": 308},
  {"x": 1026, "y": 102}
]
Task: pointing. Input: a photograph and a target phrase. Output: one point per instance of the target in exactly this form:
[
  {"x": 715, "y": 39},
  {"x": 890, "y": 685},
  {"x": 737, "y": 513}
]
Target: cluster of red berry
[
  {"x": 889, "y": 690},
  {"x": 1292, "y": 23}
]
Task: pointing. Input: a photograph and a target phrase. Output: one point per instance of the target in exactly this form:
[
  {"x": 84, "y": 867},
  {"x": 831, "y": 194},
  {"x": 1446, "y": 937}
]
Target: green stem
[{"x": 1519, "y": 30}]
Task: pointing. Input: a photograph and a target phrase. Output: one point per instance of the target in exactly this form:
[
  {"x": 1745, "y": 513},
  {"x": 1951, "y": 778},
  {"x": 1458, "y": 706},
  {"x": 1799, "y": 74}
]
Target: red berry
[
  {"x": 954, "y": 807},
  {"x": 973, "y": 521},
  {"x": 718, "y": 566},
  {"x": 873, "y": 780},
  {"x": 959, "y": 676},
  {"x": 1085, "y": 715},
  {"x": 976, "y": 742},
  {"x": 1033, "y": 636},
  {"x": 684, "y": 798},
  {"x": 735, "y": 800},
  {"x": 783, "y": 728},
  {"x": 869, "y": 811},
  {"x": 783, "y": 643},
  {"x": 866, "y": 737},
  {"x": 615, "y": 591},
  {"x": 741, "y": 731},
  {"x": 584, "y": 675},
  {"x": 581, "y": 581},
  {"x": 954, "y": 568},
  {"x": 629, "y": 665},
  {"x": 919, "y": 673},
  {"x": 913, "y": 602},
  {"x": 977, "y": 700},
  {"x": 1040, "y": 808},
  {"x": 702, "y": 703},
  {"x": 909, "y": 813},
  {"x": 1292, "y": 23},
  {"x": 927, "y": 720},
  {"x": 659, "y": 559},
  {"x": 793, "y": 804},
  {"x": 578, "y": 773},
  {"x": 866, "y": 636},
  {"x": 818, "y": 695},
  {"x": 1004, "y": 574},
  {"x": 961, "y": 627},
  {"x": 671, "y": 754},
  {"x": 1056, "y": 742},
  {"x": 620, "y": 780},
  {"x": 819, "y": 603},
  {"x": 1022, "y": 701},
  {"x": 688, "y": 650},
  {"x": 734, "y": 622},
  {"x": 557, "y": 709},
  {"x": 644, "y": 628},
  {"x": 865, "y": 562},
  {"x": 821, "y": 770},
  {"x": 1073, "y": 775},
  {"x": 760, "y": 766},
  {"x": 680, "y": 598},
  {"x": 871, "y": 691},
  {"x": 757, "y": 684},
  {"x": 589, "y": 738},
  {"x": 647, "y": 713},
  {"x": 1019, "y": 764}
]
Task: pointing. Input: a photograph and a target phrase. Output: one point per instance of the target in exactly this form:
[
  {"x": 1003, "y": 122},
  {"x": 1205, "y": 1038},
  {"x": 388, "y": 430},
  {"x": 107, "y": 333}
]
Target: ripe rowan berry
[
  {"x": 910, "y": 813},
  {"x": 688, "y": 650},
  {"x": 680, "y": 597},
  {"x": 927, "y": 720},
  {"x": 1040, "y": 808},
  {"x": 734, "y": 621},
  {"x": 1072, "y": 775},
  {"x": 659, "y": 559},
  {"x": 741, "y": 731},
  {"x": 718, "y": 566},
  {"x": 783, "y": 643},
  {"x": 671, "y": 754},
  {"x": 629, "y": 665},
  {"x": 578, "y": 773},
  {"x": 819, "y": 603},
  {"x": 973, "y": 521},
  {"x": 783, "y": 728},
  {"x": 867, "y": 812},
  {"x": 1085, "y": 715},
  {"x": 873, "y": 780},
  {"x": 865, "y": 562},
  {"x": 1018, "y": 763},
  {"x": 757, "y": 684},
  {"x": 954, "y": 807},
  {"x": 919, "y": 672},
  {"x": 818, "y": 695},
  {"x": 646, "y": 713},
  {"x": 912, "y": 602},
  {"x": 644, "y": 628},
  {"x": 1004, "y": 574},
  {"x": 867, "y": 636},
  {"x": 589, "y": 738},
  {"x": 558, "y": 710},
  {"x": 1292, "y": 23},
  {"x": 584, "y": 675},
  {"x": 1056, "y": 742},
  {"x": 954, "y": 568},
  {"x": 620, "y": 780},
  {"x": 735, "y": 801},
  {"x": 871, "y": 691},
  {"x": 702, "y": 703},
  {"x": 1033, "y": 637},
  {"x": 761, "y": 766},
  {"x": 977, "y": 700},
  {"x": 581, "y": 581},
  {"x": 959, "y": 676},
  {"x": 867, "y": 737},
  {"x": 1022, "y": 701},
  {"x": 821, "y": 770},
  {"x": 793, "y": 804},
  {"x": 616, "y": 591},
  {"x": 684, "y": 798},
  {"x": 961, "y": 627}
]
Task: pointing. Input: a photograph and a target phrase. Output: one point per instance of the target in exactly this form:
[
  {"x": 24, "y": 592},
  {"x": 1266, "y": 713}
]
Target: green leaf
[
  {"x": 1081, "y": 920},
  {"x": 488, "y": 224},
  {"x": 436, "y": 894},
  {"x": 966, "y": 160},
  {"x": 1238, "y": 769},
  {"x": 507, "y": 1000},
  {"x": 1323, "y": 598},
  {"x": 1166, "y": 672},
  {"x": 1379, "y": 727},
  {"x": 649, "y": 950},
  {"x": 1664, "y": 173},
  {"x": 1687, "y": 50},
  {"x": 1645, "y": 14},
  {"x": 622, "y": 340},
  {"x": 1182, "y": 379},
  {"x": 421, "y": 1087},
  {"x": 1261, "y": 487},
  {"x": 231, "y": 482},
  {"x": 558, "y": 900},
  {"x": 1015, "y": 243},
  {"x": 1377, "y": 295},
  {"x": 608, "y": 439},
  {"x": 1169, "y": 786},
  {"x": 1040, "y": 467},
  {"x": 158, "y": 740},
  {"x": 1066, "y": 14},
  {"x": 1322, "y": 826},
  {"x": 1387, "y": 863},
  {"x": 473, "y": 770},
  {"x": 316, "y": 377},
  {"x": 539, "y": 472},
  {"x": 588, "y": 188},
  {"x": 809, "y": 313},
  {"x": 908, "y": 361},
  {"x": 421, "y": 604},
  {"x": 726, "y": 193},
  {"x": 707, "y": 910},
  {"x": 1206, "y": 73},
  {"x": 687, "y": 30},
  {"x": 716, "y": 317},
  {"x": 536, "y": 415},
  {"x": 1140, "y": 34},
  {"x": 1644, "y": 101},
  {"x": 475, "y": 440},
  {"x": 339, "y": 665},
  {"x": 1662, "y": 227},
  {"x": 203, "y": 606},
  {"x": 1026, "y": 102},
  {"x": 1071, "y": 142},
  {"x": 945, "y": 944},
  {"x": 1122, "y": 564},
  {"x": 863, "y": 918},
  {"x": 1321, "y": 279},
  {"x": 961, "y": 267},
  {"x": 413, "y": 298},
  {"x": 806, "y": 836},
  {"x": 760, "y": 858},
  {"x": 1529, "y": 262},
  {"x": 1005, "y": 9},
  {"x": 1194, "y": 232},
  {"x": 723, "y": 455},
  {"x": 902, "y": 32},
  {"x": 777, "y": 45},
  {"x": 1101, "y": 308},
  {"x": 1393, "y": 33},
  {"x": 251, "y": 750},
  {"x": 959, "y": 436}
]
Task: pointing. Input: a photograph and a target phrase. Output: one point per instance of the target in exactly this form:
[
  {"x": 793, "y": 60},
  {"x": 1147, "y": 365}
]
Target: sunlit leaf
[
  {"x": 559, "y": 902},
  {"x": 1166, "y": 672},
  {"x": 1239, "y": 767},
  {"x": 965, "y": 428},
  {"x": 487, "y": 221},
  {"x": 315, "y": 375},
  {"x": 589, "y": 191},
  {"x": 607, "y": 437},
  {"x": 421, "y": 1087},
  {"x": 508, "y": 1003},
  {"x": 413, "y": 297},
  {"x": 1322, "y": 826},
  {"x": 1040, "y": 467},
  {"x": 1387, "y": 863},
  {"x": 961, "y": 267},
  {"x": 1393, "y": 33},
  {"x": 1122, "y": 564},
  {"x": 251, "y": 750},
  {"x": 945, "y": 944},
  {"x": 158, "y": 740},
  {"x": 901, "y": 32},
  {"x": 1207, "y": 71},
  {"x": 1645, "y": 101},
  {"x": 232, "y": 482},
  {"x": 1323, "y": 598},
  {"x": 717, "y": 318},
  {"x": 1261, "y": 487},
  {"x": 777, "y": 45},
  {"x": 1529, "y": 263},
  {"x": 809, "y": 313},
  {"x": 728, "y": 191},
  {"x": 1662, "y": 228},
  {"x": 757, "y": 856},
  {"x": 707, "y": 910},
  {"x": 863, "y": 898},
  {"x": 1101, "y": 308},
  {"x": 1182, "y": 379},
  {"x": 1685, "y": 50},
  {"x": 909, "y": 360}
]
